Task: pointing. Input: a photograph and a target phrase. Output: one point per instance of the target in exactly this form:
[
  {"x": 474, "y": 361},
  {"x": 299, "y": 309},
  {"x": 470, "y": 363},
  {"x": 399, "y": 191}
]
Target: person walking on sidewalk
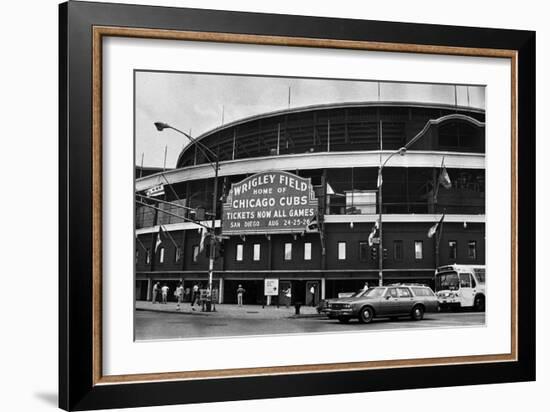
[
  {"x": 288, "y": 295},
  {"x": 179, "y": 295},
  {"x": 156, "y": 291},
  {"x": 164, "y": 290},
  {"x": 312, "y": 292},
  {"x": 195, "y": 294},
  {"x": 240, "y": 294}
]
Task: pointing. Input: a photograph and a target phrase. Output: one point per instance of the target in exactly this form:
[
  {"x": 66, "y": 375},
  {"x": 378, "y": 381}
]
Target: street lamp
[
  {"x": 208, "y": 154},
  {"x": 401, "y": 151}
]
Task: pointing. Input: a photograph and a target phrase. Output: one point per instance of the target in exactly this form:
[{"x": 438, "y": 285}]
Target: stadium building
[{"x": 336, "y": 149}]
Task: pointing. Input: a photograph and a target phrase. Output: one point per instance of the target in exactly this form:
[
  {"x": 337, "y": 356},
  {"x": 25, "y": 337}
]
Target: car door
[
  {"x": 390, "y": 303},
  {"x": 405, "y": 300}
]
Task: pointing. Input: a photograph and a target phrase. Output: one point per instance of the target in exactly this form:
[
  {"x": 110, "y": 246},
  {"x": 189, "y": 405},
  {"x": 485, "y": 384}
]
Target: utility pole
[{"x": 213, "y": 237}]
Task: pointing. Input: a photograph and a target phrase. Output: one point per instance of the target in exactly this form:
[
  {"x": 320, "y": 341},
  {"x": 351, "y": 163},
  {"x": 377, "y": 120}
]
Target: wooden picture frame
[{"x": 82, "y": 385}]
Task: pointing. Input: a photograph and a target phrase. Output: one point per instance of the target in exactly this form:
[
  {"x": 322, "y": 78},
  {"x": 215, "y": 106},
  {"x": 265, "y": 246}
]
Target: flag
[
  {"x": 435, "y": 227},
  {"x": 372, "y": 233},
  {"x": 159, "y": 239},
  {"x": 444, "y": 179},
  {"x": 379, "y": 181},
  {"x": 312, "y": 225},
  {"x": 203, "y": 238},
  {"x": 330, "y": 190}
]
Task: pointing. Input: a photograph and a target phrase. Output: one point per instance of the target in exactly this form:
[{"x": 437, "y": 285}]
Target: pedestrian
[
  {"x": 312, "y": 292},
  {"x": 164, "y": 289},
  {"x": 195, "y": 294},
  {"x": 288, "y": 295},
  {"x": 156, "y": 291},
  {"x": 179, "y": 295},
  {"x": 240, "y": 293}
]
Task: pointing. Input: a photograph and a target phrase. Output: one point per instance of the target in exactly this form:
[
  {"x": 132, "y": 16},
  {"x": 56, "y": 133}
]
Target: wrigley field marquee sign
[{"x": 269, "y": 202}]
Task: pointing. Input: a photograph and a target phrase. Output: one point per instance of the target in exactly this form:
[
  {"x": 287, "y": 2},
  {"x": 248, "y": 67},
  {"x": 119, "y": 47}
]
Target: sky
[{"x": 197, "y": 103}]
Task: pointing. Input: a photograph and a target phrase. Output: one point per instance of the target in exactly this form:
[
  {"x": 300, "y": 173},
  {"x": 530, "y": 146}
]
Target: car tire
[
  {"x": 366, "y": 314},
  {"x": 417, "y": 313},
  {"x": 479, "y": 303},
  {"x": 343, "y": 320}
]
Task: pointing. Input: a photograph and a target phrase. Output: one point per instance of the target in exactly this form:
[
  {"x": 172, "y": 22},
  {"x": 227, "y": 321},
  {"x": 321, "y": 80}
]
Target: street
[{"x": 253, "y": 320}]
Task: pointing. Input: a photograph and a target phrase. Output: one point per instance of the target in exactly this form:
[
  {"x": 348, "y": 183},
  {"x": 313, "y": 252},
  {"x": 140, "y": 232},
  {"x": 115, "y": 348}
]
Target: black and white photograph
[{"x": 284, "y": 205}]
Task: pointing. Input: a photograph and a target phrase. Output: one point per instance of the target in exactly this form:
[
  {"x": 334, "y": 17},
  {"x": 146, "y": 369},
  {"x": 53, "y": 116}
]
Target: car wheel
[
  {"x": 417, "y": 313},
  {"x": 343, "y": 320},
  {"x": 479, "y": 303},
  {"x": 366, "y": 315}
]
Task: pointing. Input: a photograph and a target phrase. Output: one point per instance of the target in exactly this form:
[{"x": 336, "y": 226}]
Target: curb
[
  {"x": 199, "y": 313},
  {"x": 308, "y": 316}
]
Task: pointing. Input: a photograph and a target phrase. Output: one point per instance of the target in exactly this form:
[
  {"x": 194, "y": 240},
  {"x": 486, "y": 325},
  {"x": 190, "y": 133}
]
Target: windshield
[
  {"x": 447, "y": 280},
  {"x": 374, "y": 292},
  {"x": 480, "y": 275}
]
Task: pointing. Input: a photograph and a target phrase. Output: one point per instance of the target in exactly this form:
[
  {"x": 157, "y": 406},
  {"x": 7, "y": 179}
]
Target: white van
[{"x": 461, "y": 286}]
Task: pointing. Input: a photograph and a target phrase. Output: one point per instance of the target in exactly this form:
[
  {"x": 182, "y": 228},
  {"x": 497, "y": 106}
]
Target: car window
[
  {"x": 465, "y": 281},
  {"x": 404, "y": 293},
  {"x": 392, "y": 292},
  {"x": 422, "y": 291},
  {"x": 374, "y": 292}
]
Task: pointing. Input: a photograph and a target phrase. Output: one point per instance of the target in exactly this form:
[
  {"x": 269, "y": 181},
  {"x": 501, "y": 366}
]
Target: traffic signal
[
  {"x": 385, "y": 253},
  {"x": 220, "y": 250},
  {"x": 374, "y": 253},
  {"x": 200, "y": 213}
]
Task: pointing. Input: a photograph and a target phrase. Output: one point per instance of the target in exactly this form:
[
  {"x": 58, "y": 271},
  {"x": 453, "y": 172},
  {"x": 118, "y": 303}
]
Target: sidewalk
[{"x": 231, "y": 311}]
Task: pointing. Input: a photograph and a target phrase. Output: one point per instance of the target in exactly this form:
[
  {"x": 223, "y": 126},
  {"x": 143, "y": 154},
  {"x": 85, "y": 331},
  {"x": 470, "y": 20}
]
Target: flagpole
[{"x": 439, "y": 234}]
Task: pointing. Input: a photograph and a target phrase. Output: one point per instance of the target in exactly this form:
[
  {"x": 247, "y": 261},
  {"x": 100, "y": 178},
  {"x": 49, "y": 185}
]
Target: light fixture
[{"x": 161, "y": 126}]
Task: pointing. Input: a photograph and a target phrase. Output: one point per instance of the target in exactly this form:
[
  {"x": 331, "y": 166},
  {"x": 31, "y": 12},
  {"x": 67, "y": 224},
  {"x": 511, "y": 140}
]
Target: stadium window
[
  {"x": 148, "y": 256},
  {"x": 288, "y": 251},
  {"x": 161, "y": 255},
  {"x": 307, "y": 251},
  {"x": 239, "y": 252},
  {"x": 195, "y": 253},
  {"x": 418, "y": 246},
  {"x": 257, "y": 251},
  {"x": 178, "y": 254},
  {"x": 472, "y": 249},
  {"x": 398, "y": 250},
  {"x": 137, "y": 256},
  {"x": 341, "y": 250},
  {"x": 452, "y": 249}
]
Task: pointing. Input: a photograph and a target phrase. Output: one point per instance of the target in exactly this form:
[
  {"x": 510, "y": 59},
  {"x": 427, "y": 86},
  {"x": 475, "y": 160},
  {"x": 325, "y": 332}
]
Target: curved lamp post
[
  {"x": 208, "y": 154},
  {"x": 402, "y": 151}
]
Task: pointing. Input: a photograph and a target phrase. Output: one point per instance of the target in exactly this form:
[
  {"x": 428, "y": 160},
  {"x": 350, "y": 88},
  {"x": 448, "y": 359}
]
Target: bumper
[
  {"x": 336, "y": 313},
  {"x": 449, "y": 303}
]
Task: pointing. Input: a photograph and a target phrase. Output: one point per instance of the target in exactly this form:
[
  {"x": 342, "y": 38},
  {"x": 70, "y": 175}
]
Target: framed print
[{"x": 259, "y": 206}]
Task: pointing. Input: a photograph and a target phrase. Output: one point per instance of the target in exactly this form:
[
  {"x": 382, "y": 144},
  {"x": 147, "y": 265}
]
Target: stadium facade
[{"x": 337, "y": 149}]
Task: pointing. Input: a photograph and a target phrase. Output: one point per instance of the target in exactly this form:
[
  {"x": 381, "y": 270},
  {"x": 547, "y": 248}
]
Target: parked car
[
  {"x": 323, "y": 303},
  {"x": 390, "y": 301}
]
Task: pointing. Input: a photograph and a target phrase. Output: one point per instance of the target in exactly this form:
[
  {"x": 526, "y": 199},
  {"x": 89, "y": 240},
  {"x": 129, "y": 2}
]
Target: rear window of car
[{"x": 422, "y": 291}]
